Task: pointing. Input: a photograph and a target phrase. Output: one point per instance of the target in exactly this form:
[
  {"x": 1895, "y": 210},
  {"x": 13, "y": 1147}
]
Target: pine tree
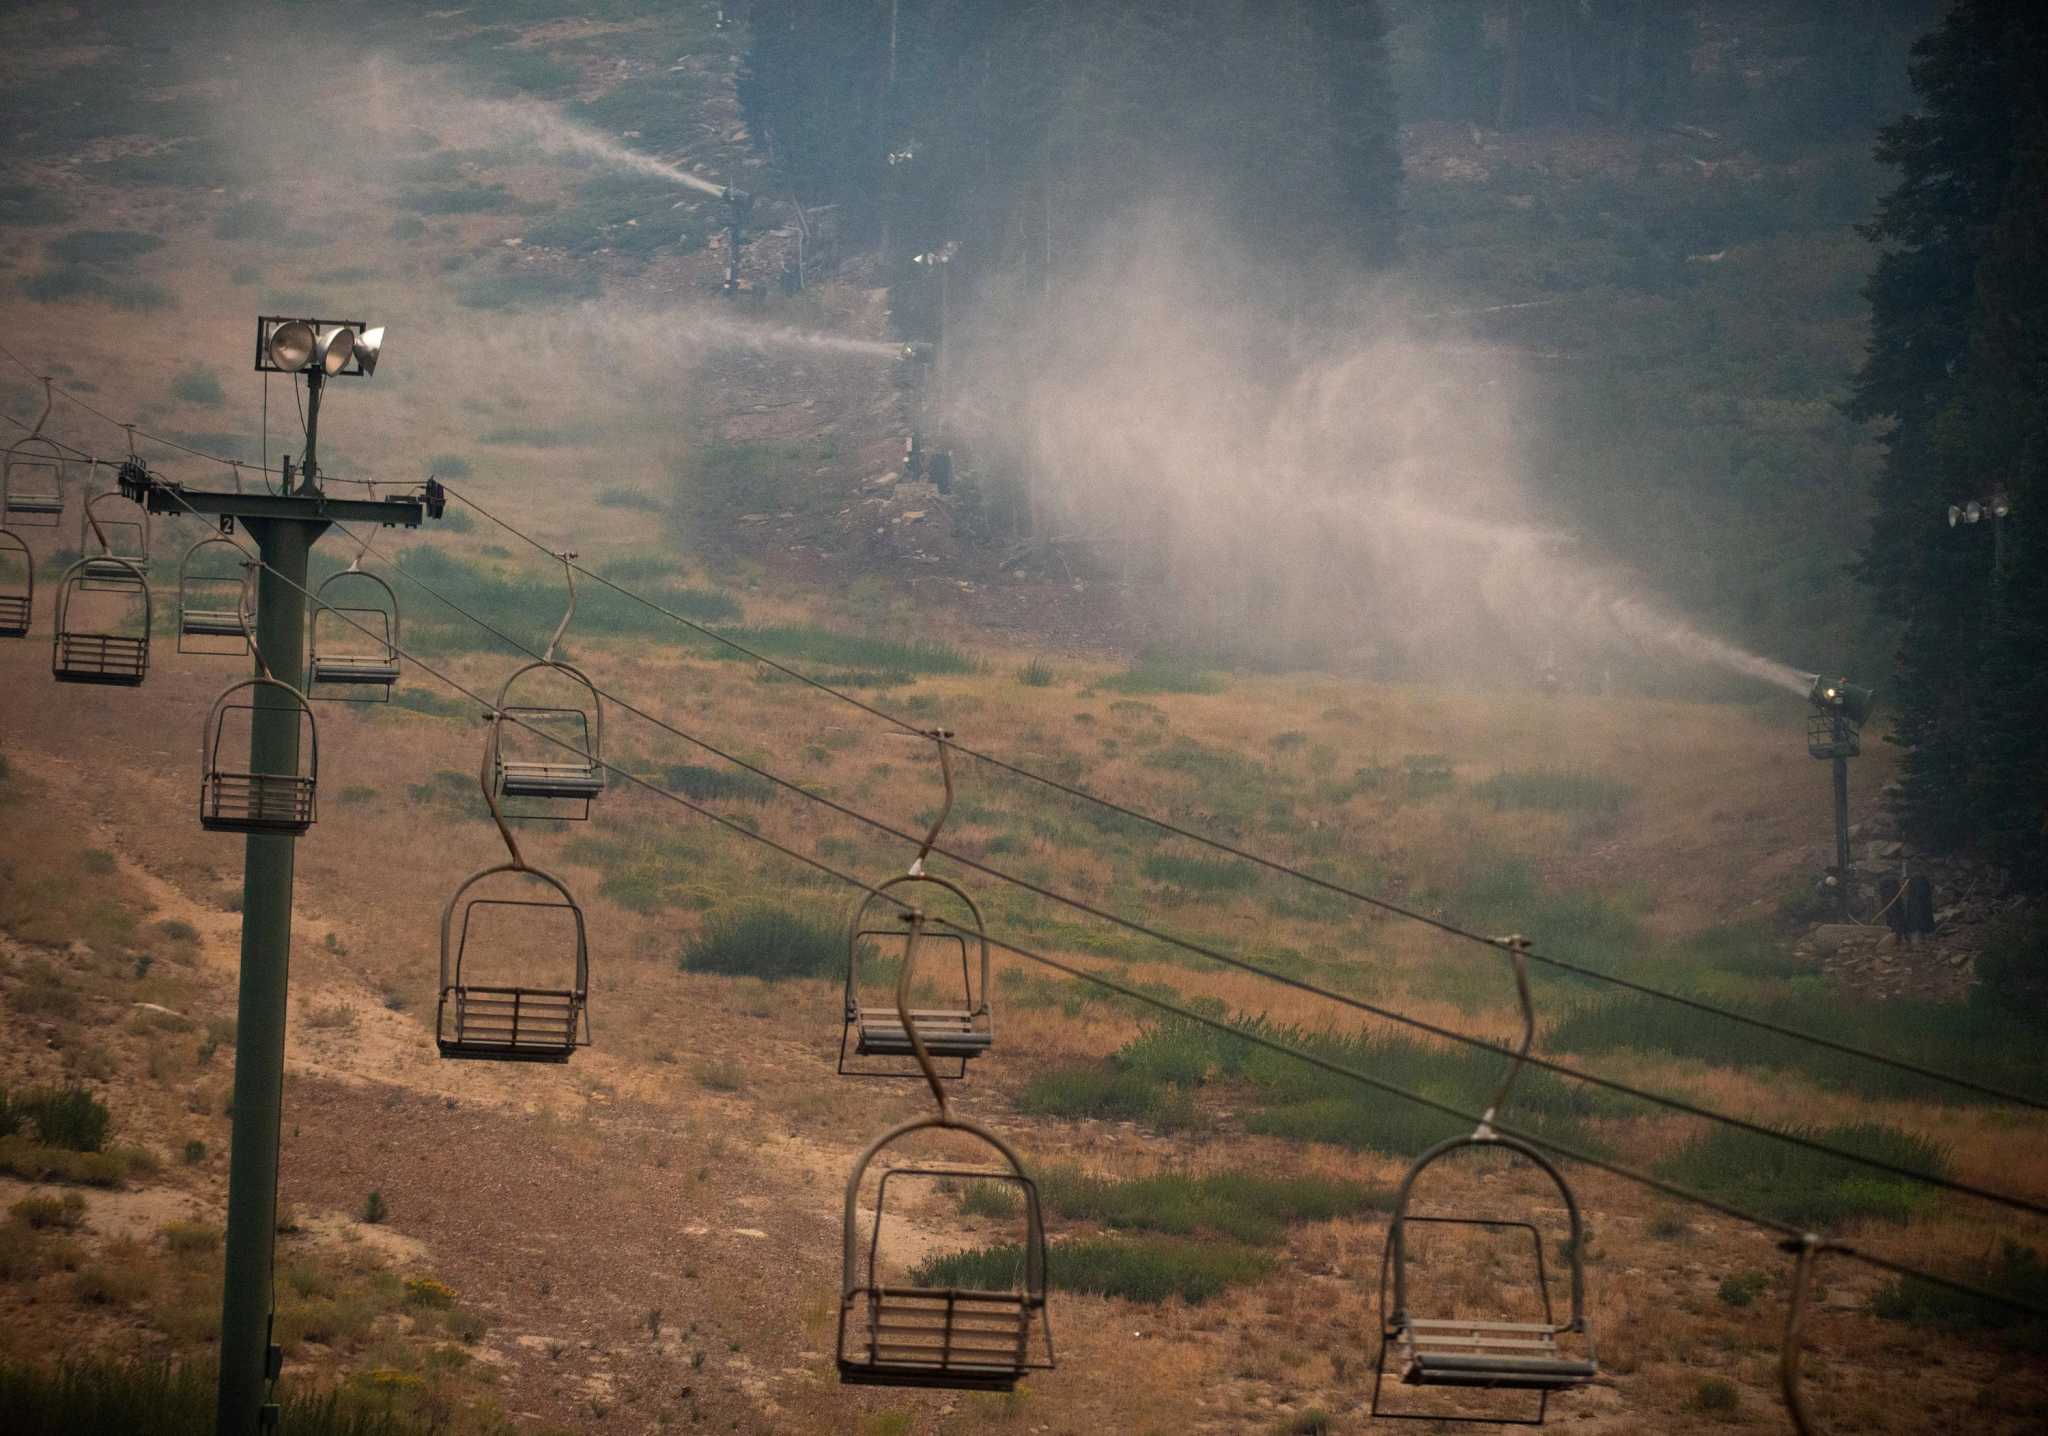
[{"x": 1933, "y": 372}]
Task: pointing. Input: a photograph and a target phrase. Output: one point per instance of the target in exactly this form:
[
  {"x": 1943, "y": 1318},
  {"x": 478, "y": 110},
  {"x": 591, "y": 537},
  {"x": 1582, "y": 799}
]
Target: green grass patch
[
  {"x": 1561, "y": 790},
  {"x": 1161, "y": 672},
  {"x": 1092, "y": 1090},
  {"x": 825, "y": 646},
  {"x": 101, "y": 246},
  {"x": 1148, "y": 1270},
  {"x": 1970, "y": 1040},
  {"x": 766, "y": 942},
  {"x": 1200, "y": 875},
  {"x": 70, "y": 282},
  {"x": 1243, "y": 1206},
  {"x": 1811, "y": 1189},
  {"x": 529, "y": 605},
  {"x": 1036, "y": 674},
  {"x": 84, "y": 1398},
  {"x": 198, "y": 386},
  {"x": 712, "y": 784},
  {"x": 459, "y": 199}
]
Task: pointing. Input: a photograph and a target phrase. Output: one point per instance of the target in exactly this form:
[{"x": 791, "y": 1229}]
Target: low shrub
[
  {"x": 1742, "y": 1288},
  {"x": 1810, "y": 1189},
  {"x": 766, "y": 942},
  {"x": 2016, "y": 1271},
  {"x": 69, "y": 1117},
  {"x": 198, "y": 386},
  {"x": 1158, "y": 672},
  {"x": 1716, "y": 1397},
  {"x": 1148, "y": 1270},
  {"x": 706, "y": 784},
  {"x": 63, "y": 1213},
  {"x": 1036, "y": 674},
  {"x": 1200, "y": 875},
  {"x": 192, "y": 1238}
]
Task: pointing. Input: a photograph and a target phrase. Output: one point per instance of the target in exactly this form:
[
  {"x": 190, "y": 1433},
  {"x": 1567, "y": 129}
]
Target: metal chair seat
[
  {"x": 36, "y": 503},
  {"x": 99, "y": 658},
  {"x": 946, "y": 1033},
  {"x": 513, "y": 1024},
  {"x": 549, "y": 780},
  {"x": 354, "y": 668},
  {"x": 212, "y": 623},
  {"x": 256, "y": 803},
  {"x": 941, "y": 1337},
  {"x": 1496, "y": 1355},
  {"x": 14, "y": 615}
]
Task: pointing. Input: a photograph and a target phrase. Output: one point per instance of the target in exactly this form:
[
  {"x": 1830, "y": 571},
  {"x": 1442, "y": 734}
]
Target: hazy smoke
[{"x": 1293, "y": 463}]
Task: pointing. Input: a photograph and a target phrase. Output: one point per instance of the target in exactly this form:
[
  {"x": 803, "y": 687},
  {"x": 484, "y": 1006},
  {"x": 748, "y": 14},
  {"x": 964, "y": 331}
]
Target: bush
[
  {"x": 1810, "y": 1189},
  {"x": 64, "y": 1213},
  {"x": 1716, "y": 1397},
  {"x": 2012, "y": 971},
  {"x": 528, "y": 291},
  {"x": 2016, "y": 1271},
  {"x": 992, "y": 1199},
  {"x": 69, "y": 1117},
  {"x": 1148, "y": 1270},
  {"x": 1035, "y": 674},
  {"x": 1742, "y": 1288},
  {"x": 374, "y": 1209},
  {"x": 769, "y": 943}
]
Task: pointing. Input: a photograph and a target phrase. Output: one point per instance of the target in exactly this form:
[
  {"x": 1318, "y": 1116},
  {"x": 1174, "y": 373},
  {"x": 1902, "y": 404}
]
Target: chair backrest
[
  {"x": 454, "y": 943},
  {"x": 1396, "y": 1251},
  {"x": 101, "y": 570},
  {"x": 977, "y": 998},
  {"x": 340, "y": 635},
  {"x": 594, "y": 717},
  {"x": 1034, "y": 1233},
  {"x": 307, "y": 765}
]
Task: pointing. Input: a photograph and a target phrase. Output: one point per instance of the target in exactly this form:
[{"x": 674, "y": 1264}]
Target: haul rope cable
[
  {"x": 1675, "y": 1104},
  {"x": 1671, "y": 1103},
  {"x": 1386, "y": 905},
  {"x": 1612, "y": 1168},
  {"x": 1440, "y": 924},
  {"x": 1564, "y": 965}
]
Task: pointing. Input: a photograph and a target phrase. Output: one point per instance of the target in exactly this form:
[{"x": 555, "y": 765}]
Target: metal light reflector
[
  {"x": 335, "y": 346},
  {"x": 290, "y": 344},
  {"x": 368, "y": 345}
]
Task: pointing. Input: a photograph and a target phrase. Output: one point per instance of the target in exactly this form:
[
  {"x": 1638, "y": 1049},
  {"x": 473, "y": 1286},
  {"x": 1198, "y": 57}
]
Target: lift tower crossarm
[{"x": 161, "y": 496}]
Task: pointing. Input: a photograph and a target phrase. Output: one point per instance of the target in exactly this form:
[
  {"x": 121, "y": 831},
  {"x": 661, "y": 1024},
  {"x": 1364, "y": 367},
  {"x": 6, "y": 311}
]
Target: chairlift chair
[
  {"x": 1452, "y": 1351},
  {"x": 908, "y": 1334},
  {"x": 356, "y": 648},
  {"x": 501, "y": 1023},
  {"x": 571, "y": 771},
  {"x": 17, "y": 596},
  {"x": 109, "y": 543},
  {"x": 32, "y": 484},
  {"x": 100, "y": 654},
  {"x": 957, "y": 1033},
  {"x": 205, "y": 626},
  {"x": 934, "y": 1336},
  {"x": 274, "y": 793}
]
